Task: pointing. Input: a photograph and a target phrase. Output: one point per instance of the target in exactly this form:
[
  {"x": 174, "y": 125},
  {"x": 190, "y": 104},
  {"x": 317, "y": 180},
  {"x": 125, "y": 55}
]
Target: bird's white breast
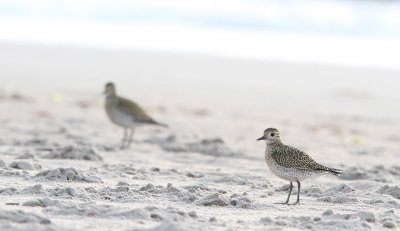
[{"x": 120, "y": 118}]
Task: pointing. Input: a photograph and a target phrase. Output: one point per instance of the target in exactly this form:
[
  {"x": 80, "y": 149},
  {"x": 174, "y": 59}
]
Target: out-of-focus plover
[
  {"x": 125, "y": 113},
  {"x": 289, "y": 163}
]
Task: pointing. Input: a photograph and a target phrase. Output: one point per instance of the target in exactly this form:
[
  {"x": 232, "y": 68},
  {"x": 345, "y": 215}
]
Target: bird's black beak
[{"x": 261, "y": 138}]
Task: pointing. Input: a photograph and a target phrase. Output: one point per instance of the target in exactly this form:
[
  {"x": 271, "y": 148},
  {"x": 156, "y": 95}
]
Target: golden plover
[
  {"x": 125, "y": 113},
  {"x": 289, "y": 163}
]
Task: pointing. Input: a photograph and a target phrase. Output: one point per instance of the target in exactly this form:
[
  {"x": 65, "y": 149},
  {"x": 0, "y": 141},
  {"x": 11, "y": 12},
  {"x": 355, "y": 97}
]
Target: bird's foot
[
  {"x": 282, "y": 203},
  {"x": 296, "y": 203}
]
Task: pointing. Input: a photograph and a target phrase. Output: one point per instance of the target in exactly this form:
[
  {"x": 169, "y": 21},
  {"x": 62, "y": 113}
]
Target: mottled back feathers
[
  {"x": 290, "y": 157},
  {"x": 125, "y": 112},
  {"x": 131, "y": 108}
]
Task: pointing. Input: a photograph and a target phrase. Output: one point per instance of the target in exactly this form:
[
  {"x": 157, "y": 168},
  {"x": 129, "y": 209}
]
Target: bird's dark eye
[{"x": 272, "y": 134}]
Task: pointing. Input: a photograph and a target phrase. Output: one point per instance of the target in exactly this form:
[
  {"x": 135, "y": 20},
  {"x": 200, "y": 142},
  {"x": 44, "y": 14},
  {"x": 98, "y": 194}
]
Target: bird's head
[
  {"x": 271, "y": 135},
  {"x": 109, "y": 89}
]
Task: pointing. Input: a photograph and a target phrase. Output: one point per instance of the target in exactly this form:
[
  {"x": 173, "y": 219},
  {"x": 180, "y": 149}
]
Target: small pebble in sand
[
  {"x": 234, "y": 195},
  {"x": 214, "y": 199},
  {"x": 122, "y": 183},
  {"x": 389, "y": 224},
  {"x": 34, "y": 203},
  {"x": 367, "y": 216},
  {"x": 148, "y": 187},
  {"x": 192, "y": 214},
  {"x": 281, "y": 223},
  {"x": 365, "y": 225},
  {"x": 327, "y": 212},
  {"x": 26, "y": 156},
  {"x": 156, "y": 216},
  {"x": 21, "y": 165},
  {"x": 265, "y": 220},
  {"x": 243, "y": 202}
]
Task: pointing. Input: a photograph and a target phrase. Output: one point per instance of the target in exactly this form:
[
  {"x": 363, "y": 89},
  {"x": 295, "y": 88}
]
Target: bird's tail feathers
[
  {"x": 161, "y": 124},
  {"x": 335, "y": 171}
]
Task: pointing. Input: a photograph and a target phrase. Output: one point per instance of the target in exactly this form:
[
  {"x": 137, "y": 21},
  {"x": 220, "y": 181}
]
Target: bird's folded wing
[
  {"x": 131, "y": 108},
  {"x": 290, "y": 157}
]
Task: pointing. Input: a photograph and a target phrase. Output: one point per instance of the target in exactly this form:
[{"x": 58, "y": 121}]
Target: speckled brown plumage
[{"x": 290, "y": 157}]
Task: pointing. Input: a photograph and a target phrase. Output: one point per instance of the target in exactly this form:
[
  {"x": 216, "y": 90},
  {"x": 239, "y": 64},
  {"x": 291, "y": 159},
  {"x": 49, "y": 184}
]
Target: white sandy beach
[{"x": 61, "y": 168}]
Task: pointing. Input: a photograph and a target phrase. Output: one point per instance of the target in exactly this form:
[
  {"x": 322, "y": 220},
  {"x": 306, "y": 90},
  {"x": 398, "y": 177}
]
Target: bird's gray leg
[
  {"x": 124, "y": 138},
  {"x": 130, "y": 139},
  {"x": 290, "y": 191},
  {"x": 298, "y": 193}
]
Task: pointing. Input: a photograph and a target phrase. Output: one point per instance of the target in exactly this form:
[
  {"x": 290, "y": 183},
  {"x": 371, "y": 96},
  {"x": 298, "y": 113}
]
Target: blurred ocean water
[
  {"x": 355, "y": 33},
  {"x": 338, "y": 17},
  {"x": 334, "y": 32}
]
